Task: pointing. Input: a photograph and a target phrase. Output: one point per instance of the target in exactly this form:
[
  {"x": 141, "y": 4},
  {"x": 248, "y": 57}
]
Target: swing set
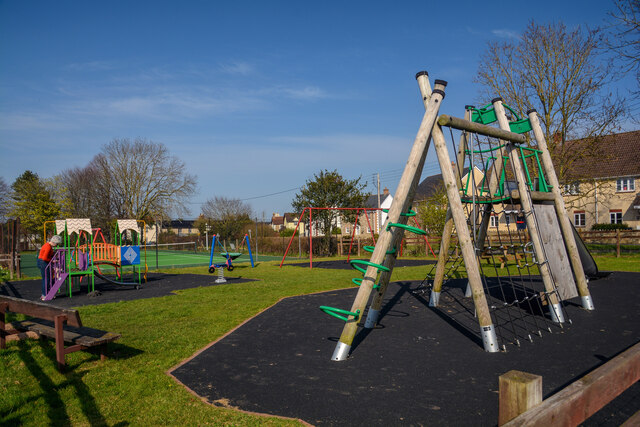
[
  {"x": 228, "y": 256},
  {"x": 359, "y": 211}
]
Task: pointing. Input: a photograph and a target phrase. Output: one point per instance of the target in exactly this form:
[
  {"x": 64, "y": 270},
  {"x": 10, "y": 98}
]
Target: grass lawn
[{"x": 132, "y": 387}]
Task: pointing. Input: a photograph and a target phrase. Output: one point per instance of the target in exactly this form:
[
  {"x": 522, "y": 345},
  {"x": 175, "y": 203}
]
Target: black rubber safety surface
[
  {"x": 419, "y": 367},
  {"x": 157, "y": 285}
]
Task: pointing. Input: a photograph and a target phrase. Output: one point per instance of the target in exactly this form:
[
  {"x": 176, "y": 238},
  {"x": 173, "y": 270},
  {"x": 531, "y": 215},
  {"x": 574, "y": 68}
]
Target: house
[
  {"x": 180, "y": 227},
  {"x": 373, "y": 218},
  {"x": 277, "y": 222},
  {"x": 604, "y": 188}
]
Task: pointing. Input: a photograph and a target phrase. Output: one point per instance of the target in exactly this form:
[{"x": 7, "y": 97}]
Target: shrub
[{"x": 608, "y": 227}]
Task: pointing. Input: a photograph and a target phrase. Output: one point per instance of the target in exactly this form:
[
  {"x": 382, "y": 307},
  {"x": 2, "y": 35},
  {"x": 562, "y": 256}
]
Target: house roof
[
  {"x": 430, "y": 186},
  {"x": 372, "y": 200},
  {"x": 612, "y": 156},
  {"x": 290, "y": 217},
  {"x": 181, "y": 223},
  {"x": 277, "y": 220}
]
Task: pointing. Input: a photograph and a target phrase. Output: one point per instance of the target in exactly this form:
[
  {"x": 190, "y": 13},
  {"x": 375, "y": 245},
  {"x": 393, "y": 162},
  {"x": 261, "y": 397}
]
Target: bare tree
[
  {"x": 4, "y": 199},
  {"x": 87, "y": 195},
  {"x": 624, "y": 26},
  {"x": 227, "y": 217},
  {"x": 142, "y": 179},
  {"x": 559, "y": 73}
]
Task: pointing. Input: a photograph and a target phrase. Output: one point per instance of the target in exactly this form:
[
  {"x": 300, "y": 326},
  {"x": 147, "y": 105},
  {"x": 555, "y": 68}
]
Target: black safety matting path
[
  {"x": 343, "y": 264},
  {"x": 418, "y": 368},
  {"x": 157, "y": 285}
]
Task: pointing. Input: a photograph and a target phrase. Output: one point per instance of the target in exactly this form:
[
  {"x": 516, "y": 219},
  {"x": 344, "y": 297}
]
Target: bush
[
  {"x": 286, "y": 232},
  {"x": 609, "y": 227}
]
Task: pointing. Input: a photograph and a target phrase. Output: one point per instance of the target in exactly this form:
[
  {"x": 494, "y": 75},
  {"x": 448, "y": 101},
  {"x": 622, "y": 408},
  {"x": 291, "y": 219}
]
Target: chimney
[{"x": 385, "y": 191}]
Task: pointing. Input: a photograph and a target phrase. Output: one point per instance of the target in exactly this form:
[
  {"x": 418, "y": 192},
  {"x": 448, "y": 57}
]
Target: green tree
[
  {"x": 329, "y": 190},
  {"x": 33, "y": 203},
  {"x": 433, "y": 213}
]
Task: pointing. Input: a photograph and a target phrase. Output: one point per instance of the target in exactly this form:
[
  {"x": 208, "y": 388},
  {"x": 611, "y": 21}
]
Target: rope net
[{"x": 509, "y": 270}]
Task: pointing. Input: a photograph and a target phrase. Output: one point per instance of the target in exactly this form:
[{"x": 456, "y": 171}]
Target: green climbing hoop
[
  {"x": 410, "y": 213},
  {"x": 372, "y": 248},
  {"x": 358, "y": 281},
  {"x": 336, "y": 312},
  {"x": 354, "y": 263},
  {"x": 408, "y": 228}
]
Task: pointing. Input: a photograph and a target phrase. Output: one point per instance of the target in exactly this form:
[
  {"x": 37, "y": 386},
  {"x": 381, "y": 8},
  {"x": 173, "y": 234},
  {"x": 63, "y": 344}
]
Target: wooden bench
[
  {"x": 60, "y": 324},
  {"x": 503, "y": 256}
]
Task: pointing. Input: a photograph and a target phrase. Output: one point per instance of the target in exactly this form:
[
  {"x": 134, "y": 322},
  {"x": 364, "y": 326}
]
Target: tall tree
[
  {"x": 624, "y": 27},
  {"x": 4, "y": 199},
  {"x": 559, "y": 72},
  {"x": 228, "y": 217},
  {"x": 143, "y": 180},
  {"x": 87, "y": 193},
  {"x": 32, "y": 202},
  {"x": 329, "y": 190}
]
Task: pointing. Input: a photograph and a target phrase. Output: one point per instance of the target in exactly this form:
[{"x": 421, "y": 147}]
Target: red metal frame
[{"x": 310, "y": 209}]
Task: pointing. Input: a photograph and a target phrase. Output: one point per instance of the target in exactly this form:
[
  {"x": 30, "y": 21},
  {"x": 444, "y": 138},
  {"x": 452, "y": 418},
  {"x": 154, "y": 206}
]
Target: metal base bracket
[
  {"x": 341, "y": 352},
  {"x": 490, "y": 339},
  {"x": 434, "y": 299},
  {"x": 372, "y": 318},
  {"x": 587, "y": 303},
  {"x": 557, "y": 316}
]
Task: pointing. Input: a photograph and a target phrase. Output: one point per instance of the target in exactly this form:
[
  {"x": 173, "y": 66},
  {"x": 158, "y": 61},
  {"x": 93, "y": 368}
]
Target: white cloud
[
  {"x": 237, "y": 67},
  {"x": 506, "y": 34}
]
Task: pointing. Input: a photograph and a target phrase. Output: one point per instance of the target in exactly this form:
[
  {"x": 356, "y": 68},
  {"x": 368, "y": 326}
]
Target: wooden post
[
  {"x": 396, "y": 240},
  {"x": 3, "y": 308},
  {"x": 617, "y": 243},
  {"x": 494, "y": 181},
  {"x": 447, "y": 231},
  {"x": 488, "y": 332},
  {"x": 401, "y": 204},
  {"x": 555, "y": 309},
  {"x": 59, "y": 325},
  {"x": 519, "y": 392},
  {"x": 561, "y": 211}
]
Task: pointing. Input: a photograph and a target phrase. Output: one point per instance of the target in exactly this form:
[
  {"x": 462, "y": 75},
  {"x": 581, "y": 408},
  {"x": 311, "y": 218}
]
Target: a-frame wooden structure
[{"x": 377, "y": 271}]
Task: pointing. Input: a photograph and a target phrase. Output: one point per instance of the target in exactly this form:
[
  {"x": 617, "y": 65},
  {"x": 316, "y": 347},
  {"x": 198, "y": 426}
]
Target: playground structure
[
  {"x": 81, "y": 255},
  {"x": 358, "y": 212},
  {"x": 227, "y": 256},
  {"x": 512, "y": 175}
]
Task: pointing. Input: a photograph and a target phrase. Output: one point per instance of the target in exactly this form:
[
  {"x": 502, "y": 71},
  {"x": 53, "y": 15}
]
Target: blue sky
[{"x": 255, "y": 97}]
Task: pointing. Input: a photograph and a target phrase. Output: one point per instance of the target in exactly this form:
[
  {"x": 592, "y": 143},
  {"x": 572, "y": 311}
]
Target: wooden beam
[
  {"x": 574, "y": 404},
  {"x": 461, "y": 124},
  {"x": 536, "y": 196}
]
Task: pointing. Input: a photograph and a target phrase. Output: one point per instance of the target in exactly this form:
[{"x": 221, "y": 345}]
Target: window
[
  {"x": 579, "y": 219},
  {"x": 572, "y": 189},
  {"x": 493, "y": 222},
  {"x": 615, "y": 216},
  {"x": 625, "y": 184},
  {"x": 507, "y": 218}
]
